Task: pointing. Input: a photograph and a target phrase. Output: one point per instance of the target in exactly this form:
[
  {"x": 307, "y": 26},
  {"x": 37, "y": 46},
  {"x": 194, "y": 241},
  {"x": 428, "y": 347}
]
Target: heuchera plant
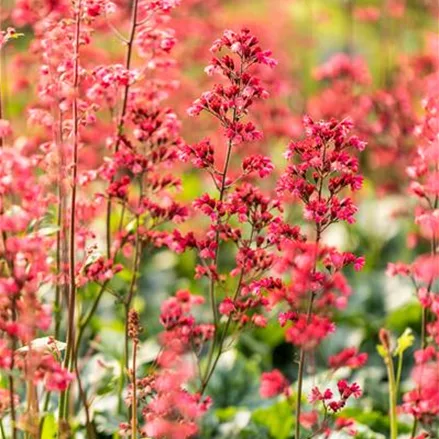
[{"x": 97, "y": 178}]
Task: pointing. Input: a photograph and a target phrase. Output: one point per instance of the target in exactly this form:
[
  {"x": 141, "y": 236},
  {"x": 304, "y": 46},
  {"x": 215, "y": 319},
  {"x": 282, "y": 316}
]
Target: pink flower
[
  {"x": 426, "y": 268},
  {"x": 398, "y": 269},
  {"x": 258, "y": 164},
  {"x": 346, "y": 390},
  {"x": 316, "y": 395},
  {"x": 226, "y": 306},
  {"x": 5, "y": 128},
  {"x": 309, "y": 419},
  {"x": 308, "y": 335},
  {"x": 348, "y": 357},
  {"x": 273, "y": 383}
]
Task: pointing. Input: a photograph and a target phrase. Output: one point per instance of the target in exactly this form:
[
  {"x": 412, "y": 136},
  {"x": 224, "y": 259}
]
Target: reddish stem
[
  {"x": 72, "y": 241},
  {"x": 121, "y": 122}
]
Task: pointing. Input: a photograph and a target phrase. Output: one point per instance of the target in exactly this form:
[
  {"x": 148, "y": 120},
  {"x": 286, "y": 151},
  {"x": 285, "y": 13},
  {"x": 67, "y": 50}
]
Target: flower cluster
[
  {"x": 230, "y": 103},
  {"x": 168, "y": 408},
  {"x": 423, "y": 401},
  {"x": 326, "y": 397},
  {"x": 349, "y": 357},
  {"x": 322, "y": 170}
]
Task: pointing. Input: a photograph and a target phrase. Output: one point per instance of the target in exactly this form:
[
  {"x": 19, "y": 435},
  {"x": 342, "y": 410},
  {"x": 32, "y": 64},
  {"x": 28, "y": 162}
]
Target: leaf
[
  {"x": 405, "y": 341},
  {"x": 277, "y": 418},
  {"x": 107, "y": 383},
  {"x": 226, "y": 414},
  {"x": 376, "y": 421},
  {"x": 49, "y": 427},
  {"x": 403, "y": 317},
  {"x": 44, "y": 344},
  {"x": 253, "y": 431},
  {"x": 107, "y": 424},
  {"x": 15, "y": 35},
  {"x": 235, "y": 382},
  {"x": 48, "y": 230}
]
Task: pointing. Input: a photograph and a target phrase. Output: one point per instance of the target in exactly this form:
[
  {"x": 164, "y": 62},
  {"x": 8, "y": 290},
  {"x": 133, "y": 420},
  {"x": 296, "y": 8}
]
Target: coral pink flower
[{"x": 273, "y": 383}]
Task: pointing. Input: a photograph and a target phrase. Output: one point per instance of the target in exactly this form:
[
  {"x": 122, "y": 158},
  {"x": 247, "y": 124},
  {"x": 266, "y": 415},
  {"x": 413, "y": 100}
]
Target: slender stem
[
  {"x": 134, "y": 397},
  {"x": 302, "y": 355},
  {"x": 121, "y": 122},
  {"x": 424, "y": 328},
  {"x": 130, "y": 296},
  {"x": 2, "y": 429},
  {"x": 72, "y": 241},
  {"x": 392, "y": 396},
  {"x": 82, "y": 327},
  {"x": 212, "y": 280},
  {"x": 72, "y": 237},
  {"x": 399, "y": 372},
  {"x": 11, "y": 378},
  {"x": 91, "y": 434},
  {"x": 84, "y": 322},
  {"x": 211, "y": 367},
  {"x": 57, "y": 304},
  {"x": 222, "y": 191},
  {"x": 414, "y": 428},
  {"x": 302, "y": 360},
  {"x": 58, "y": 139}
]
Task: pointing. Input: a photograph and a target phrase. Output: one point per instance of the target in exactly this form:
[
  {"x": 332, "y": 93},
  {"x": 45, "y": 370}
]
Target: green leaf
[
  {"x": 235, "y": 382},
  {"x": 403, "y": 317},
  {"x": 253, "y": 431},
  {"x": 15, "y": 36},
  {"x": 278, "y": 419},
  {"x": 373, "y": 419},
  {"x": 49, "y": 427},
  {"x": 108, "y": 383},
  {"x": 376, "y": 421},
  {"x": 226, "y": 414}
]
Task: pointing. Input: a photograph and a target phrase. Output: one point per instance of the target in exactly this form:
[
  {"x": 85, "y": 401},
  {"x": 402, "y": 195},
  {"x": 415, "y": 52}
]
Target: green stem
[
  {"x": 399, "y": 373},
  {"x": 2, "y": 429},
  {"x": 392, "y": 396},
  {"x": 301, "y": 371},
  {"x": 414, "y": 429}
]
